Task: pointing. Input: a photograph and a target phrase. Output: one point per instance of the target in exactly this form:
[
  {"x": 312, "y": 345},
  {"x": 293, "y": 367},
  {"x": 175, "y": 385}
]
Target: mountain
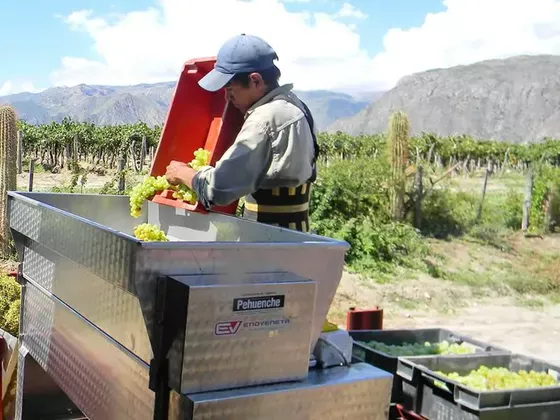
[
  {"x": 108, "y": 105},
  {"x": 327, "y": 106},
  {"x": 514, "y": 99}
]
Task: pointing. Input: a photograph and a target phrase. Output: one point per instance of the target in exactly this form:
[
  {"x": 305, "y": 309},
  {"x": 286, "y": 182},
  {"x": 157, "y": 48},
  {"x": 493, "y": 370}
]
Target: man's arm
[{"x": 240, "y": 169}]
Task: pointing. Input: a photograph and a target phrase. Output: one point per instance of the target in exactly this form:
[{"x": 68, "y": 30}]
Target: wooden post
[
  {"x": 466, "y": 166},
  {"x": 479, "y": 213},
  {"x": 152, "y": 154},
  {"x": 31, "y": 172},
  {"x": 133, "y": 156},
  {"x": 142, "y": 153},
  {"x": 75, "y": 149},
  {"x": 549, "y": 213},
  {"x": 418, "y": 201},
  {"x": 527, "y": 201},
  {"x": 120, "y": 169},
  {"x": 506, "y": 161},
  {"x": 19, "y": 151}
]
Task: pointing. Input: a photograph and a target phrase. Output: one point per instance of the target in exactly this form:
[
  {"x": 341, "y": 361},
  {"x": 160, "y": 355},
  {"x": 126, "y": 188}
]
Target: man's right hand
[{"x": 179, "y": 173}]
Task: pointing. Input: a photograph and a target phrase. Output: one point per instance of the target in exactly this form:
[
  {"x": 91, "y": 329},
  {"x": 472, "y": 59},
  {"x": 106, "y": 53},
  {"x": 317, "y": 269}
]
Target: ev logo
[{"x": 227, "y": 328}]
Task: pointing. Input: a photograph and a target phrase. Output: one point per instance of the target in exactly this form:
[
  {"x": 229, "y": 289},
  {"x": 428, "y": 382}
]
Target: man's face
[{"x": 243, "y": 97}]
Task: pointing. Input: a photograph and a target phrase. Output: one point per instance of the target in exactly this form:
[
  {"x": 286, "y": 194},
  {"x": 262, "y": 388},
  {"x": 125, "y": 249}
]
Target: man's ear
[{"x": 256, "y": 79}]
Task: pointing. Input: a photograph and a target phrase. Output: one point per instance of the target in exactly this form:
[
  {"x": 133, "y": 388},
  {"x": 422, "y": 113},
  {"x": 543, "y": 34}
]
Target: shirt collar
[{"x": 268, "y": 97}]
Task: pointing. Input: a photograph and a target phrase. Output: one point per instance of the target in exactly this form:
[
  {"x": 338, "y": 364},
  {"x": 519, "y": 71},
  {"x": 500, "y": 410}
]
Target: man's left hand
[{"x": 179, "y": 173}]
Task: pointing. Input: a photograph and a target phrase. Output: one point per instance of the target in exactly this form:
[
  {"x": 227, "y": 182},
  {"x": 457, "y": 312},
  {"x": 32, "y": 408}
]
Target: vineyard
[{"x": 52, "y": 143}]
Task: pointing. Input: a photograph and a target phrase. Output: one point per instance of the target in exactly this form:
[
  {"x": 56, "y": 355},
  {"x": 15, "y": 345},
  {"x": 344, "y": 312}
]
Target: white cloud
[
  {"x": 470, "y": 31},
  {"x": 9, "y": 88},
  {"x": 316, "y": 50},
  {"x": 348, "y": 10}
]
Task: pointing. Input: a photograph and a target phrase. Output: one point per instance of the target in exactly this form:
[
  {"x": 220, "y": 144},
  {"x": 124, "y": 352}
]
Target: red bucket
[{"x": 365, "y": 319}]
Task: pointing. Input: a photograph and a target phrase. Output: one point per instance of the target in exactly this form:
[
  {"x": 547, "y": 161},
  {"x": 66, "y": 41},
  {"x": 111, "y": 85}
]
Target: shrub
[
  {"x": 10, "y": 293},
  {"x": 446, "y": 213},
  {"x": 546, "y": 178},
  {"x": 350, "y": 202},
  {"x": 350, "y": 189},
  {"x": 513, "y": 210}
]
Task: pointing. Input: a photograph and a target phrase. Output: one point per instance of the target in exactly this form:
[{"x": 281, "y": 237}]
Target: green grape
[
  {"x": 419, "y": 349},
  {"x": 201, "y": 158},
  {"x": 490, "y": 379},
  {"x": 185, "y": 193},
  {"x": 150, "y": 186},
  {"x": 149, "y": 233},
  {"x": 144, "y": 191}
]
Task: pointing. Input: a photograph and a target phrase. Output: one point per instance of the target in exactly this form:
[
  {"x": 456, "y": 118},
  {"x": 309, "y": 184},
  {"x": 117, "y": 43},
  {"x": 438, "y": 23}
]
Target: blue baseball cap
[{"x": 240, "y": 54}]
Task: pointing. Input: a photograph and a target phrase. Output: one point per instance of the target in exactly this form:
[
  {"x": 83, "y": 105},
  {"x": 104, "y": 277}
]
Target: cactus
[
  {"x": 8, "y": 173},
  {"x": 398, "y": 132}
]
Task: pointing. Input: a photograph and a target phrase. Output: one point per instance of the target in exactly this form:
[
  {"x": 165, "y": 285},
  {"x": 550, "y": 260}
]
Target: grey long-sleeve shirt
[{"x": 274, "y": 148}]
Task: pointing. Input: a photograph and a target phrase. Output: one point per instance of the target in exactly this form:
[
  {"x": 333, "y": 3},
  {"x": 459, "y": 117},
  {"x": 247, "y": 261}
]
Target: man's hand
[{"x": 179, "y": 173}]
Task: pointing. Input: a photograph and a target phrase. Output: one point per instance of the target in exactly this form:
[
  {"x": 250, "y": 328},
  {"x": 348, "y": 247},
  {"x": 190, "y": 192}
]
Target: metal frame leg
[{"x": 38, "y": 396}]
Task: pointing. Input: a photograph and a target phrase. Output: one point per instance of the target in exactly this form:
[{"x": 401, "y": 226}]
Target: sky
[{"x": 345, "y": 45}]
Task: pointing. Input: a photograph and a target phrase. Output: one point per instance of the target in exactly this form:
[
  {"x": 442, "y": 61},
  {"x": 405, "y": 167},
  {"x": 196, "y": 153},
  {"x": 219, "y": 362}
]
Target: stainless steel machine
[{"x": 218, "y": 323}]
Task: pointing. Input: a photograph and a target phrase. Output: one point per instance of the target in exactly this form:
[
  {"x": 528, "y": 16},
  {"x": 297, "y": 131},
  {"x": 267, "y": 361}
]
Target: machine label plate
[
  {"x": 258, "y": 303},
  {"x": 227, "y": 328}
]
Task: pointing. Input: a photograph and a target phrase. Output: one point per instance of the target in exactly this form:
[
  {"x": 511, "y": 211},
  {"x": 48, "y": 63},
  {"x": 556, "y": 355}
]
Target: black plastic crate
[
  {"x": 388, "y": 363},
  {"x": 458, "y": 402}
]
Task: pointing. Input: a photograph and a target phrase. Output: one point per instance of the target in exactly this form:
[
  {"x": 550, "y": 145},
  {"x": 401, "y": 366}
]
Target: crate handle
[
  {"x": 405, "y": 369},
  {"x": 432, "y": 376},
  {"x": 460, "y": 391}
]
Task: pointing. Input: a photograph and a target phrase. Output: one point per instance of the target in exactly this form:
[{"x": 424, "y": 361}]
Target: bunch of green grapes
[
  {"x": 490, "y": 379},
  {"x": 150, "y": 186},
  {"x": 201, "y": 158},
  {"x": 407, "y": 349},
  {"x": 185, "y": 193},
  {"x": 419, "y": 349},
  {"x": 144, "y": 191},
  {"x": 149, "y": 233},
  {"x": 454, "y": 348},
  {"x": 182, "y": 192}
]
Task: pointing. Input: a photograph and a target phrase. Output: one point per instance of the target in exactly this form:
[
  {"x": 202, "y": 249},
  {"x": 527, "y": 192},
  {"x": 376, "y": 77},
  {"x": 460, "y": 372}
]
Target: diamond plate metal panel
[
  {"x": 112, "y": 309},
  {"x": 225, "y": 348},
  {"x": 25, "y": 218},
  {"x": 102, "y": 379},
  {"x": 357, "y": 393},
  {"x": 106, "y": 252}
]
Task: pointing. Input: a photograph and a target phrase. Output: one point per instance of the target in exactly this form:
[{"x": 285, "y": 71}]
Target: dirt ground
[
  {"x": 43, "y": 180},
  {"x": 496, "y": 320}
]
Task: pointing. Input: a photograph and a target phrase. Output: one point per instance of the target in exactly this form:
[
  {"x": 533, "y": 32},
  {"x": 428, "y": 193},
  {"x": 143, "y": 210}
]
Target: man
[{"x": 272, "y": 161}]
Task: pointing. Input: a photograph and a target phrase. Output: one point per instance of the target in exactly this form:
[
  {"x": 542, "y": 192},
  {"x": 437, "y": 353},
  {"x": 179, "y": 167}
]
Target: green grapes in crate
[
  {"x": 500, "y": 378},
  {"x": 419, "y": 349}
]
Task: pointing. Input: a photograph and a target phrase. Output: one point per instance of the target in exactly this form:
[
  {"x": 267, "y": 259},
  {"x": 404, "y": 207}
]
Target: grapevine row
[{"x": 51, "y": 143}]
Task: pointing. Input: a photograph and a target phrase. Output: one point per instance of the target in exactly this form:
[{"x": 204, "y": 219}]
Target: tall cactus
[
  {"x": 398, "y": 132},
  {"x": 8, "y": 173}
]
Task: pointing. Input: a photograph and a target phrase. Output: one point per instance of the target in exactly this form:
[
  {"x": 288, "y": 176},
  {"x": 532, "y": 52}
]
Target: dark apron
[{"x": 286, "y": 207}]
